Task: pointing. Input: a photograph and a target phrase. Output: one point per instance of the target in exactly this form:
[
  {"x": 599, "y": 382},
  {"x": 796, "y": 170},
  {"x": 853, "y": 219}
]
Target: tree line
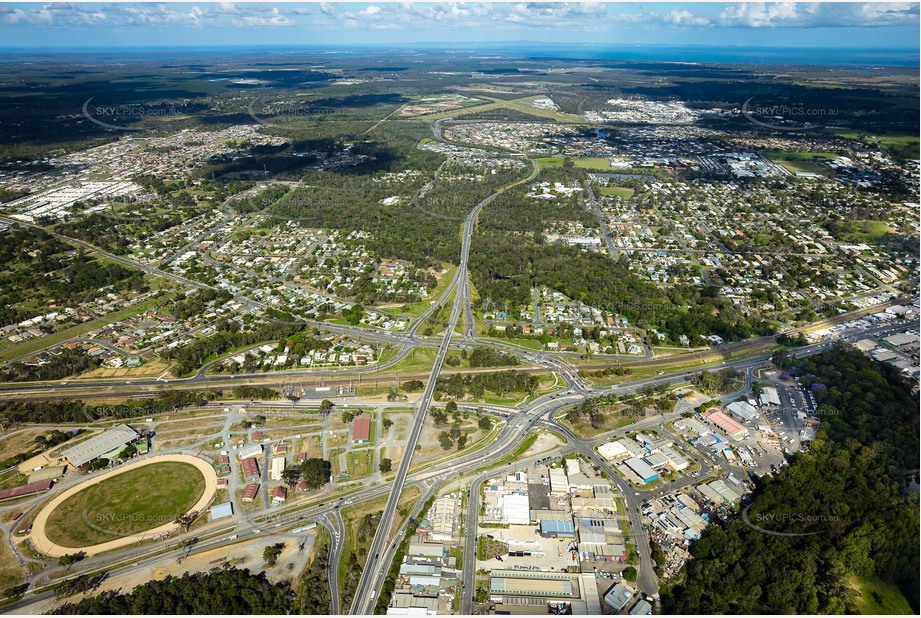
[{"x": 218, "y": 592}]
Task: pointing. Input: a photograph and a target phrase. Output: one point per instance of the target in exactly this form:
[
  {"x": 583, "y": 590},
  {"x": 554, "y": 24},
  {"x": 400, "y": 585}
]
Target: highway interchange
[{"x": 477, "y": 466}]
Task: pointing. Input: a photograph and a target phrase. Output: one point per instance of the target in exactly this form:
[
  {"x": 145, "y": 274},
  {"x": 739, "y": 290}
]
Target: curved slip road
[{"x": 43, "y": 544}]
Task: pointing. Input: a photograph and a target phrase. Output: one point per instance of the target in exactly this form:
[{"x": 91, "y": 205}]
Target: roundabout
[{"x": 138, "y": 501}]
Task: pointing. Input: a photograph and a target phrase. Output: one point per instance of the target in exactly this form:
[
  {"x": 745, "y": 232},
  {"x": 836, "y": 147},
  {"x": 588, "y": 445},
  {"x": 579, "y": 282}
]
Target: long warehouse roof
[{"x": 99, "y": 445}]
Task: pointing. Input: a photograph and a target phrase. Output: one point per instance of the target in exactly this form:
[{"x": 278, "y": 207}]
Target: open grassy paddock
[
  {"x": 588, "y": 163},
  {"x": 624, "y": 192},
  {"x": 128, "y": 503},
  {"x": 879, "y": 597}
]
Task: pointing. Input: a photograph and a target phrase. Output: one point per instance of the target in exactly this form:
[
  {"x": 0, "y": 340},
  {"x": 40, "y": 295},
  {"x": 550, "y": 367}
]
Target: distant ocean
[
  {"x": 870, "y": 57},
  {"x": 736, "y": 55}
]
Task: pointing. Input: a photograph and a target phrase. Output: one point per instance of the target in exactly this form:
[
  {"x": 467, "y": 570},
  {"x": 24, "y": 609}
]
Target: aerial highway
[
  {"x": 372, "y": 574},
  {"x": 519, "y": 422}
]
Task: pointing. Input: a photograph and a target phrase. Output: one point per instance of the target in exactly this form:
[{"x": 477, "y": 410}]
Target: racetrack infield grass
[{"x": 128, "y": 503}]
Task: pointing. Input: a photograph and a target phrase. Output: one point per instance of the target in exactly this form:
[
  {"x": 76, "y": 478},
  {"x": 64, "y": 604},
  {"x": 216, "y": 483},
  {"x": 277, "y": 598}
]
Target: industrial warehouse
[{"x": 109, "y": 442}]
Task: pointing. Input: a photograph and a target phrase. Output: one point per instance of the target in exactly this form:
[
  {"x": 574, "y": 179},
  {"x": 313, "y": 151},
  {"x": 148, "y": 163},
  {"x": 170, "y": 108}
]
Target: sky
[{"x": 754, "y": 24}]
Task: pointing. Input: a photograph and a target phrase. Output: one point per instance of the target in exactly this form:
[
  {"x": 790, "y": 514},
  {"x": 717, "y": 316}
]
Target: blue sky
[{"x": 851, "y": 24}]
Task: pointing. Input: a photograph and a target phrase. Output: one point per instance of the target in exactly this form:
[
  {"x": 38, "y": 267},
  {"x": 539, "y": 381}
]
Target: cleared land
[{"x": 879, "y": 597}]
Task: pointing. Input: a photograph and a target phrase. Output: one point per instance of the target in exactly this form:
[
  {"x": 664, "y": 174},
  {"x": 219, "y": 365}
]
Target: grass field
[
  {"x": 902, "y": 144},
  {"x": 879, "y": 597},
  {"x": 787, "y": 155},
  {"x": 588, "y": 163},
  {"x": 10, "y": 573},
  {"x": 522, "y": 105},
  {"x": 14, "y": 444},
  {"x": 359, "y": 463},
  {"x": 128, "y": 503},
  {"x": 871, "y": 231},
  {"x": 624, "y": 192},
  {"x": 803, "y": 166}
]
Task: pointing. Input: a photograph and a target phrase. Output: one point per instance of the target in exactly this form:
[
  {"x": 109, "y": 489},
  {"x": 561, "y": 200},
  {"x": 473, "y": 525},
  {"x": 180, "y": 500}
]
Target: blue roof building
[{"x": 557, "y": 528}]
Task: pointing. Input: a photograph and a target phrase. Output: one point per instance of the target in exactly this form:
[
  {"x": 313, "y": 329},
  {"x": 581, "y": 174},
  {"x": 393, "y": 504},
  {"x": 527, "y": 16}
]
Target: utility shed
[{"x": 220, "y": 511}]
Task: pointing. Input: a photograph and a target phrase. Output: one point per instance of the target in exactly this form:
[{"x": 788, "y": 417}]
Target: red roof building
[
  {"x": 361, "y": 431},
  {"x": 26, "y": 490},
  {"x": 250, "y": 469},
  {"x": 279, "y": 494},
  {"x": 250, "y": 491},
  {"x": 734, "y": 429}
]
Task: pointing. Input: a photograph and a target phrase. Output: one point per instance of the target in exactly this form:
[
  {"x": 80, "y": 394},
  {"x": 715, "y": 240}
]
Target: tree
[
  {"x": 99, "y": 464},
  {"x": 189, "y": 543},
  {"x": 439, "y": 416},
  {"x": 291, "y": 476},
  {"x": 484, "y": 423},
  {"x": 462, "y": 442},
  {"x": 325, "y": 406},
  {"x": 387, "y": 423},
  {"x": 16, "y": 591},
  {"x": 271, "y": 553},
  {"x": 315, "y": 472},
  {"x": 413, "y": 386},
  {"x": 630, "y": 574},
  {"x": 445, "y": 440},
  {"x": 185, "y": 521},
  {"x": 386, "y": 465}
]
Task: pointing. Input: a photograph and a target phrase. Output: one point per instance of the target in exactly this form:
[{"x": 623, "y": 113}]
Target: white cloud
[
  {"x": 573, "y": 16},
  {"x": 684, "y": 18},
  {"x": 817, "y": 14},
  {"x": 275, "y": 18}
]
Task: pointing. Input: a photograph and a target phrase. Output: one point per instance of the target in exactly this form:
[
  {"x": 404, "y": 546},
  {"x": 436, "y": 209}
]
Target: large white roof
[{"x": 99, "y": 445}]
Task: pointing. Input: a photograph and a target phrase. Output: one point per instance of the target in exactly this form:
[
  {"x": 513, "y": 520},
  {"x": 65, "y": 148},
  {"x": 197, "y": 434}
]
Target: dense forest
[
  {"x": 217, "y": 592},
  {"x": 845, "y": 498},
  {"x": 313, "y": 598},
  {"x": 488, "y": 357}
]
